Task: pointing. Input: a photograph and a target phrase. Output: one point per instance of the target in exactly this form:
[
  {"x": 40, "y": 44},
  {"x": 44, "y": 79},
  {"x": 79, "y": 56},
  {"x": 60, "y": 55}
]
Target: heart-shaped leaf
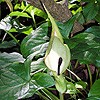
[{"x": 14, "y": 78}]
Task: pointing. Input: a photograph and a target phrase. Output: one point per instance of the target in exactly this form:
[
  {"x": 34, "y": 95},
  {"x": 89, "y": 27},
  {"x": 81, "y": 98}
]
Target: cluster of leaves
[
  {"x": 86, "y": 10},
  {"x": 23, "y": 74}
]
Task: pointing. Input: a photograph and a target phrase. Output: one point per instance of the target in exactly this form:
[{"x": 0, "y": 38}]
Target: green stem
[
  {"x": 70, "y": 76},
  {"x": 76, "y": 64},
  {"x": 90, "y": 75},
  {"x": 74, "y": 74},
  {"x": 42, "y": 96},
  {"x": 32, "y": 14},
  {"x": 61, "y": 96},
  {"x": 52, "y": 96},
  {"x": 81, "y": 92},
  {"x": 47, "y": 93},
  {"x": 97, "y": 73},
  {"x": 69, "y": 79},
  {"x": 13, "y": 37}
]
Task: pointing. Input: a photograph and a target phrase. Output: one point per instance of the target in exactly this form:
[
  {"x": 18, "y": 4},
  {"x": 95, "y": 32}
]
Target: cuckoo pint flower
[{"x": 57, "y": 56}]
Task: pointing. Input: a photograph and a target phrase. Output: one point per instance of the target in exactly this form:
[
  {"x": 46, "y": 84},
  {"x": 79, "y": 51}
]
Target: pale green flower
[{"x": 58, "y": 57}]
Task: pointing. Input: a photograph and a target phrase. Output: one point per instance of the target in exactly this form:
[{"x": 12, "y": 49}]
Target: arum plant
[{"x": 57, "y": 57}]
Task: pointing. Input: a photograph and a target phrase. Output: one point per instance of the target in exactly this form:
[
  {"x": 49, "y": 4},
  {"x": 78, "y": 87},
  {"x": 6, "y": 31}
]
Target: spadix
[{"x": 59, "y": 56}]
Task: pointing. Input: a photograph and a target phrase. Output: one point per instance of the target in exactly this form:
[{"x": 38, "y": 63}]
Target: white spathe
[{"x": 58, "y": 49}]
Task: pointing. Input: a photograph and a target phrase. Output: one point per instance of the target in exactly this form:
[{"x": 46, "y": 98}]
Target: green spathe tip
[{"x": 55, "y": 30}]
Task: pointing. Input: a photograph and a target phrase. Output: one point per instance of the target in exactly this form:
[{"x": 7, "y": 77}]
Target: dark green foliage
[
  {"x": 95, "y": 91},
  {"x": 86, "y": 46},
  {"x": 24, "y": 73},
  {"x": 33, "y": 42}
]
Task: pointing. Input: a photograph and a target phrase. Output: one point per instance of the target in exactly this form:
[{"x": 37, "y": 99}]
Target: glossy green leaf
[
  {"x": 5, "y": 23},
  {"x": 66, "y": 28},
  {"x": 20, "y": 14},
  {"x": 17, "y": 6},
  {"x": 7, "y": 44},
  {"x": 23, "y": 5},
  {"x": 97, "y": 17},
  {"x": 80, "y": 18},
  {"x": 36, "y": 40},
  {"x": 38, "y": 65},
  {"x": 95, "y": 90},
  {"x": 95, "y": 31},
  {"x": 43, "y": 79},
  {"x": 8, "y": 58},
  {"x": 14, "y": 79},
  {"x": 40, "y": 13},
  {"x": 92, "y": 98},
  {"x": 90, "y": 10},
  {"x": 86, "y": 46}
]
